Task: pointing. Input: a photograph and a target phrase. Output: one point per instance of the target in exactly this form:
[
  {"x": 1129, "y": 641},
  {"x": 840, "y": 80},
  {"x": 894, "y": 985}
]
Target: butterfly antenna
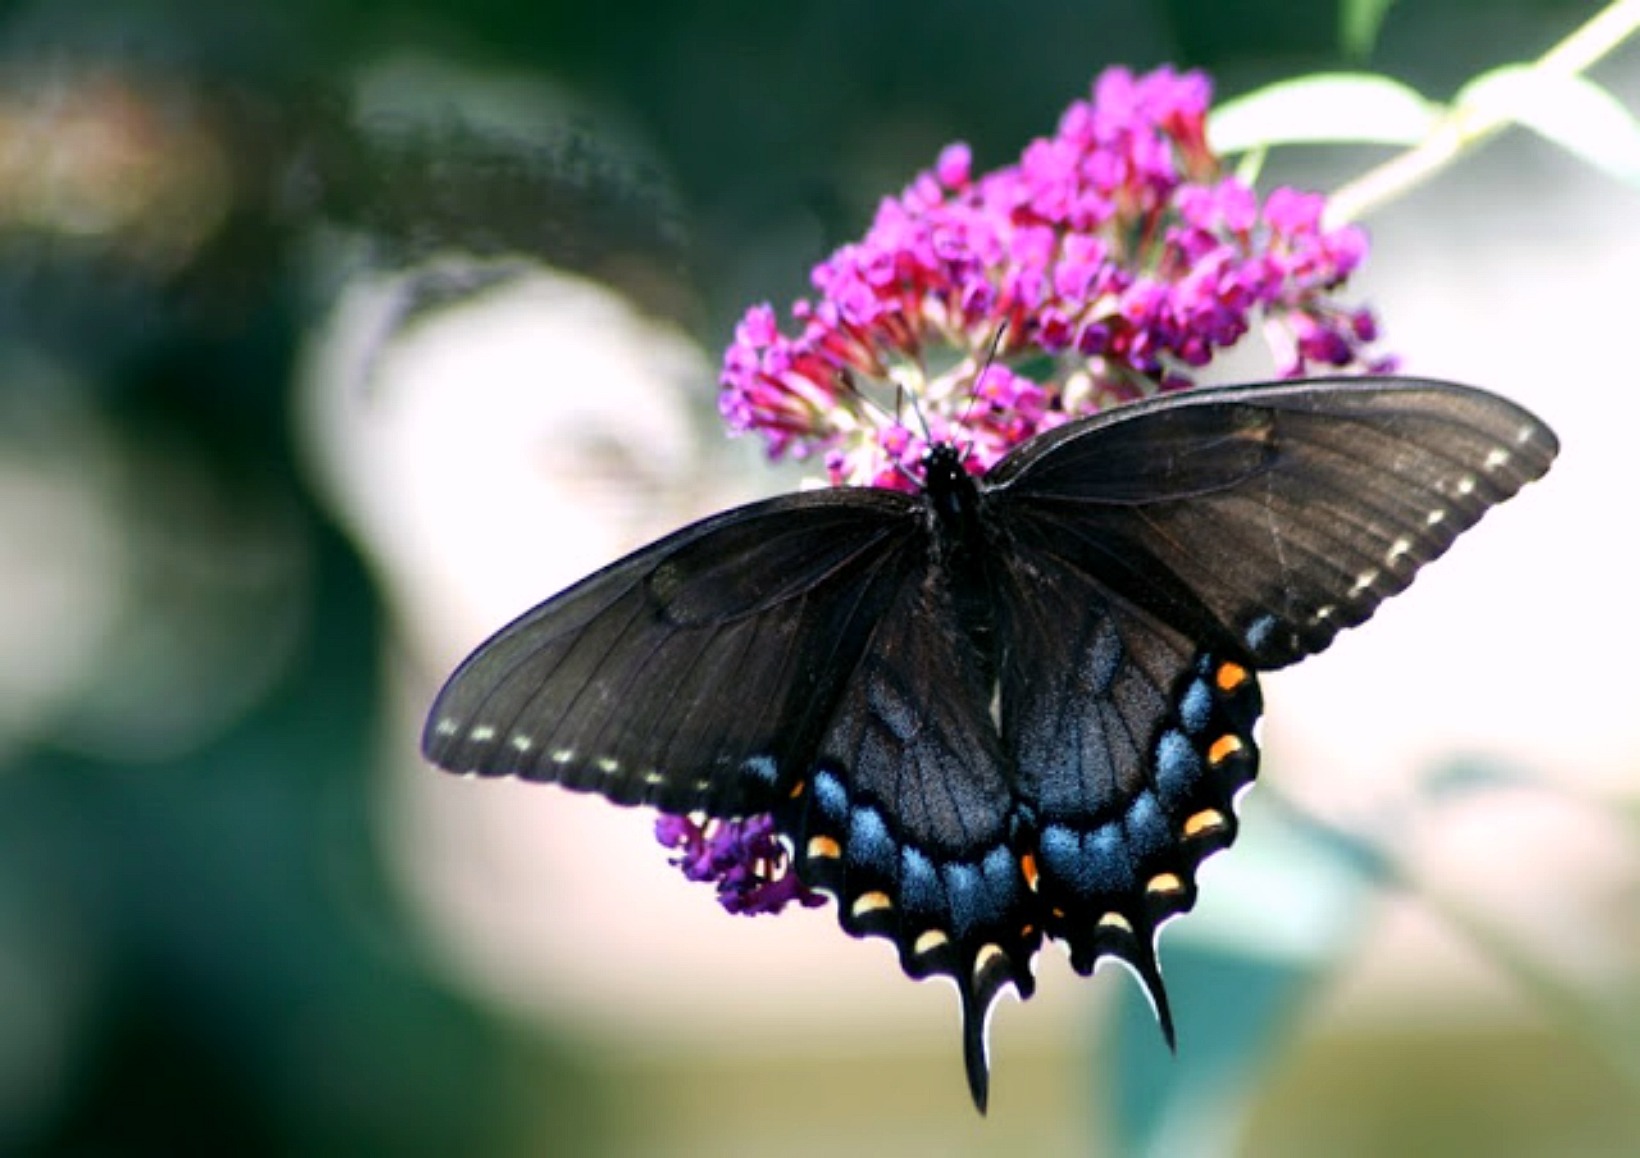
[
  {"x": 846, "y": 382},
  {"x": 904, "y": 397},
  {"x": 979, "y": 379}
]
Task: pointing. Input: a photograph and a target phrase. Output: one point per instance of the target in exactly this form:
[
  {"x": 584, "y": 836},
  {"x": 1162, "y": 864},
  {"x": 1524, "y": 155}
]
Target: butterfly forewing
[
  {"x": 1287, "y": 512},
  {"x": 694, "y": 674}
]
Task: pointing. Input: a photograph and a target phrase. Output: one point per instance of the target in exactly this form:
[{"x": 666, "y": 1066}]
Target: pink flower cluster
[{"x": 1112, "y": 261}]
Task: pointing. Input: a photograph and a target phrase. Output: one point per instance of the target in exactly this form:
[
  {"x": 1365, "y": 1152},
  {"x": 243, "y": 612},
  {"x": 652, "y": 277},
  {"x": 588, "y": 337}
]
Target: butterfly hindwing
[
  {"x": 910, "y": 816},
  {"x": 1130, "y": 742},
  {"x": 694, "y": 674}
]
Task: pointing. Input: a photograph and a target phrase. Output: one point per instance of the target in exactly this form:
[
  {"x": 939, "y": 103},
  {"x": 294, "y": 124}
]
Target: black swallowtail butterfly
[{"x": 1006, "y": 708}]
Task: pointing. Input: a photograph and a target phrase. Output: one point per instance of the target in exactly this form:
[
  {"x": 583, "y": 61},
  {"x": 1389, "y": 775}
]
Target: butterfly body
[{"x": 1004, "y": 709}]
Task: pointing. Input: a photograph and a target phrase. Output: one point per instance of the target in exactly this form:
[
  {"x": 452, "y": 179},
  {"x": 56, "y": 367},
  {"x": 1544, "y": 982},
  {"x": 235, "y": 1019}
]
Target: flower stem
[{"x": 1461, "y": 130}]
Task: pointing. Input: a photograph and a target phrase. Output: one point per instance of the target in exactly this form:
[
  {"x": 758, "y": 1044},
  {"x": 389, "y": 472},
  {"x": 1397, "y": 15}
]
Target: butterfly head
[{"x": 947, "y": 485}]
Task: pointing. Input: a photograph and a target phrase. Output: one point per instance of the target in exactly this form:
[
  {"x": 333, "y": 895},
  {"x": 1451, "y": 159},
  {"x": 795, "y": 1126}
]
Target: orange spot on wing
[
  {"x": 929, "y": 941},
  {"x": 1207, "y": 820},
  {"x": 824, "y": 848},
  {"x": 871, "y": 902},
  {"x": 1116, "y": 921},
  {"x": 987, "y": 955},
  {"x": 1165, "y": 883},
  {"x": 1230, "y": 676}
]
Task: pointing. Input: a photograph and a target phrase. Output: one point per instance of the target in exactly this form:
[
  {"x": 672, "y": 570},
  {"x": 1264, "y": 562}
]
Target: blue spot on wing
[
  {"x": 967, "y": 892},
  {"x": 1090, "y": 863},
  {"x": 1108, "y": 860},
  {"x": 1147, "y": 828},
  {"x": 1177, "y": 768},
  {"x": 868, "y": 840},
  {"x": 1196, "y": 708},
  {"x": 920, "y": 889},
  {"x": 1061, "y": 849},
  {"x": 1259, "y": 633},
  {"x": 1002, "y": 875},
  {"x": 830, "y": 796}
]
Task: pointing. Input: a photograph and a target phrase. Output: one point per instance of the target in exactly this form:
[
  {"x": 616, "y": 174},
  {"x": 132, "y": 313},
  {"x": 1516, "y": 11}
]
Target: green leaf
[
  {"x": 1324, "y": 108},
  {"x": 1572, "y": 111},
  {"x": 1358, "y": 25}
]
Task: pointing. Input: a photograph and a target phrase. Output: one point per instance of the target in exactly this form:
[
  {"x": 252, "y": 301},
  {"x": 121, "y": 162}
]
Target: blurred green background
[{"x": 331, "y": 334}]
